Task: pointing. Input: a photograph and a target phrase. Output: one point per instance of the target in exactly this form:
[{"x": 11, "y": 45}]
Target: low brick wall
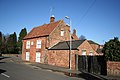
[{"x": 113, "y": 68}]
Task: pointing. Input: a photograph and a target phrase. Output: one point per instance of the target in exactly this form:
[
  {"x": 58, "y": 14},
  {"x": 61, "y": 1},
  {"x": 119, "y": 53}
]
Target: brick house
[
  {"x": 49, "y": 44},
  {"x": 39, "y": 39},
  {"x": 59, "y": 53}
]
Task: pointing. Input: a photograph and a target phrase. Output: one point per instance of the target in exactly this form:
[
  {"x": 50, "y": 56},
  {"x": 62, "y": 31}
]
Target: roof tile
[
  {"x": 43, "y": 30},
  {"x": 65, "y": 45}
]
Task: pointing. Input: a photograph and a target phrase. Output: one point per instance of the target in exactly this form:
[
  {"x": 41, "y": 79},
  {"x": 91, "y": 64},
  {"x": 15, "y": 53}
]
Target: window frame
[
  {"x": 90, "y": 53},
  {"x": 62, "y": 33},
  {"x": 84, "y": 52},
  {"x": 38, "y": 44},
  {"x": 28, "y": 45}
]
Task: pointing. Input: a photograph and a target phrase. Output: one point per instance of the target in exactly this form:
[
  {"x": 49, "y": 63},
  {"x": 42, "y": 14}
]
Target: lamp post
[{"x": 70, "y": 57}]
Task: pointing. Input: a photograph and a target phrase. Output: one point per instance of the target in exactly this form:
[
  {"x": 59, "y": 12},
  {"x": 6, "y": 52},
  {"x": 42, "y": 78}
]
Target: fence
[{"x": 92, "y": 64}]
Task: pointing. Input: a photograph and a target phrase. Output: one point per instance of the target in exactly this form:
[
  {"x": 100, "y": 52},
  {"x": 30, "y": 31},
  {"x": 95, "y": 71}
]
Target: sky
[{"x": 97, "y": 20}]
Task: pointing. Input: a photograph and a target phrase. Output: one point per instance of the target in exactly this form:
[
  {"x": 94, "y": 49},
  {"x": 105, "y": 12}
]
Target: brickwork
[
  {"x": 59, "y": 58},
  {"x": 113, "y": 68},
  {"x": 95, "y": 47},
  {"x": 55, "y": 36},
  {"x": 56, "y": 55},
  {"x": 33, "y": 49},
  {"x": 86, "y": 46}
]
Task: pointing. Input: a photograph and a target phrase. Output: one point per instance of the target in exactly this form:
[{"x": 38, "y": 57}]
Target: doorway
[{"x": 38, "y": 56}]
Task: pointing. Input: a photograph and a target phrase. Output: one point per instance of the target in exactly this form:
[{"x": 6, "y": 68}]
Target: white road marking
[{"x": 5, "y": 75}]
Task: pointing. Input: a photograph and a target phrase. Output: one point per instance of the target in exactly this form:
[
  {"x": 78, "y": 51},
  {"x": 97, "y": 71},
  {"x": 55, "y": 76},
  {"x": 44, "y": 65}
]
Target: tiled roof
[
  {"x": 75, "y": 37},
  {"x": 65, "y": 45},
  {"x": 43, "y": 30},
  {"x": 99, "y": 50},
  {"x": 92, "y": 42}
]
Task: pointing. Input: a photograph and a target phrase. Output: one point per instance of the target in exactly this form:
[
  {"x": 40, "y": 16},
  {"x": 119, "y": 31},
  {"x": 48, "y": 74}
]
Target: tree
[
  {"x": 12, "y": 44},
  {"x": 111, "y": 49},
  {"x": 5, "y": 41},
  {"x": 22, "y": 34},
  {"x": 0, "y": 41},
  {"x": 15, "y": 43},
  {"x": 82, "y": 37}
]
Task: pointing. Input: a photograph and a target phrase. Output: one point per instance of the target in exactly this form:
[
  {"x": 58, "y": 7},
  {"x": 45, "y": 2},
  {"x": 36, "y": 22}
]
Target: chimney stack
[
  {"x": 74, "y": 32},
  {"x": 52, "y": 18}
]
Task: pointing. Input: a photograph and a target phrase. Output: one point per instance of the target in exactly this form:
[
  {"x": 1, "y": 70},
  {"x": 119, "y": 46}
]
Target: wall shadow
[
  {"x": 4, "y": 57},
  {"x": 2, "y": 71},
  {"x": 85, "y": 76},
  {"x": 2, "y": 62}
]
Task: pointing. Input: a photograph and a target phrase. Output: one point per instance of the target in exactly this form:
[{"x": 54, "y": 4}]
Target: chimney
[
  {"x": 52, "y": 18},
  {"x": 74, "y": 31}
]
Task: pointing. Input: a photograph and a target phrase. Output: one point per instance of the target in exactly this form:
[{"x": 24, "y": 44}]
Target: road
[{"x": 10, "y": 70}]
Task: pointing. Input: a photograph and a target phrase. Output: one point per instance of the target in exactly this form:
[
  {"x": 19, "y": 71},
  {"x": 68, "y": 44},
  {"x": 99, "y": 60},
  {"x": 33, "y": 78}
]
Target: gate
[{"x": 92, "y": 64}]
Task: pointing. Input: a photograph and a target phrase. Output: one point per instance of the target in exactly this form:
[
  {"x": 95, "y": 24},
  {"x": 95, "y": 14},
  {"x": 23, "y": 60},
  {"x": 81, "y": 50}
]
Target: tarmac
[
  {"x": 66, "y": 71},
  {"x": 73, "y": 73}
]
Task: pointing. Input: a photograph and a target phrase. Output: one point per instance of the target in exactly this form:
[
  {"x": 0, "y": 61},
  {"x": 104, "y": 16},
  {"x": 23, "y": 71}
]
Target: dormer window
[
  {"x": 28, "y": 45},
  {"x": 38, "y": 44},
  {"x": 62, "y": 33}
]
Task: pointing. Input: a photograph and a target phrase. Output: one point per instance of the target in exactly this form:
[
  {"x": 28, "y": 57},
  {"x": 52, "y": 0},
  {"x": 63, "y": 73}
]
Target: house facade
[{"x": 39, "y": 39}]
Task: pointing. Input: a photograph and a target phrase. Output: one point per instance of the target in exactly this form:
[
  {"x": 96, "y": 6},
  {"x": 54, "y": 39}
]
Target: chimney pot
[
  {"x": 52, "y": 18},
  {"x": 74, "y": 31}
]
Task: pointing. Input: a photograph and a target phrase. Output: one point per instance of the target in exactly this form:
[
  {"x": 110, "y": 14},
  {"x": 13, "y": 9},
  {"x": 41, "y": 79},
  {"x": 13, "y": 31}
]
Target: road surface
[{"x": 10, "y": 70}]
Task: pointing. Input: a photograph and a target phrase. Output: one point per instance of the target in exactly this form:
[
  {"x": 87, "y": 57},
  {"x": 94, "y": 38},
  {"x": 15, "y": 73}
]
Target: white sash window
[
  {"x": 28, "y": 45},
  {"x": 38, "y": 44},
  {"x": 83, "y": 52},
  {"x": 62, "y": 33}
]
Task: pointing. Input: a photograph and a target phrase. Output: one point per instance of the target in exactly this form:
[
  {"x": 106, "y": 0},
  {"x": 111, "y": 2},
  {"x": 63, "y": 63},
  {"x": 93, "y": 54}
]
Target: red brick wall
[
  {"x": 95, "y": 46},
  {"x": 33, "y": 49},
  {"x": 86, "y": 46},
  {"x": 55, "y": 36},
  {"x": 113, "y": 68},
  {"x": 59, "y": 58},
  {"x": 73, "y": 59}
]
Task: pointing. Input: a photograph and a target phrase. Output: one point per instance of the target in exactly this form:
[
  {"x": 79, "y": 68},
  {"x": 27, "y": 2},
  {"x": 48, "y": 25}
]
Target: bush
[{"x": 111, "y": 50}]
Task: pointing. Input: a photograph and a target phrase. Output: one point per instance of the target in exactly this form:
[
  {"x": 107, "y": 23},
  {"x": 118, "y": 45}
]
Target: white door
[
  {"x": 27, "y": 56},
  {"x": 37, "y": 56}
]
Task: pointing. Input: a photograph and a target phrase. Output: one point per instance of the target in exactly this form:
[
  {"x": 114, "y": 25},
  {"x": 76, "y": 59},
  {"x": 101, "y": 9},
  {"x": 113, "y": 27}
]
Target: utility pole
[{"x": 70, "y": 58}]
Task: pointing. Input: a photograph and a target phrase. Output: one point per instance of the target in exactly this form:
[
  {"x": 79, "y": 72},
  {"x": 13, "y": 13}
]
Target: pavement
[
  {"x": 68, "y": 72},
  {"x": 55, "y": 68}
]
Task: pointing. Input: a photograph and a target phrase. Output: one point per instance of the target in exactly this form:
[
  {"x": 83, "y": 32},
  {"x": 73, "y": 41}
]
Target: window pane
[
  {"x": 90, "y": 53},
  {"x": 62, "y": 33},
  {"x": 38, "y": 45},
  {"x": 83, "y": 52},
  {"x": 27, "y": 44}
]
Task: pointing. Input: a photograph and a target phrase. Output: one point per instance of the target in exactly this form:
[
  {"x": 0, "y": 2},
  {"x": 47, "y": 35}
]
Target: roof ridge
[
  {"x": 92, "y": 42},
  {"x": 47, "y": 24},
  {"x": 43, "y": 30}
]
